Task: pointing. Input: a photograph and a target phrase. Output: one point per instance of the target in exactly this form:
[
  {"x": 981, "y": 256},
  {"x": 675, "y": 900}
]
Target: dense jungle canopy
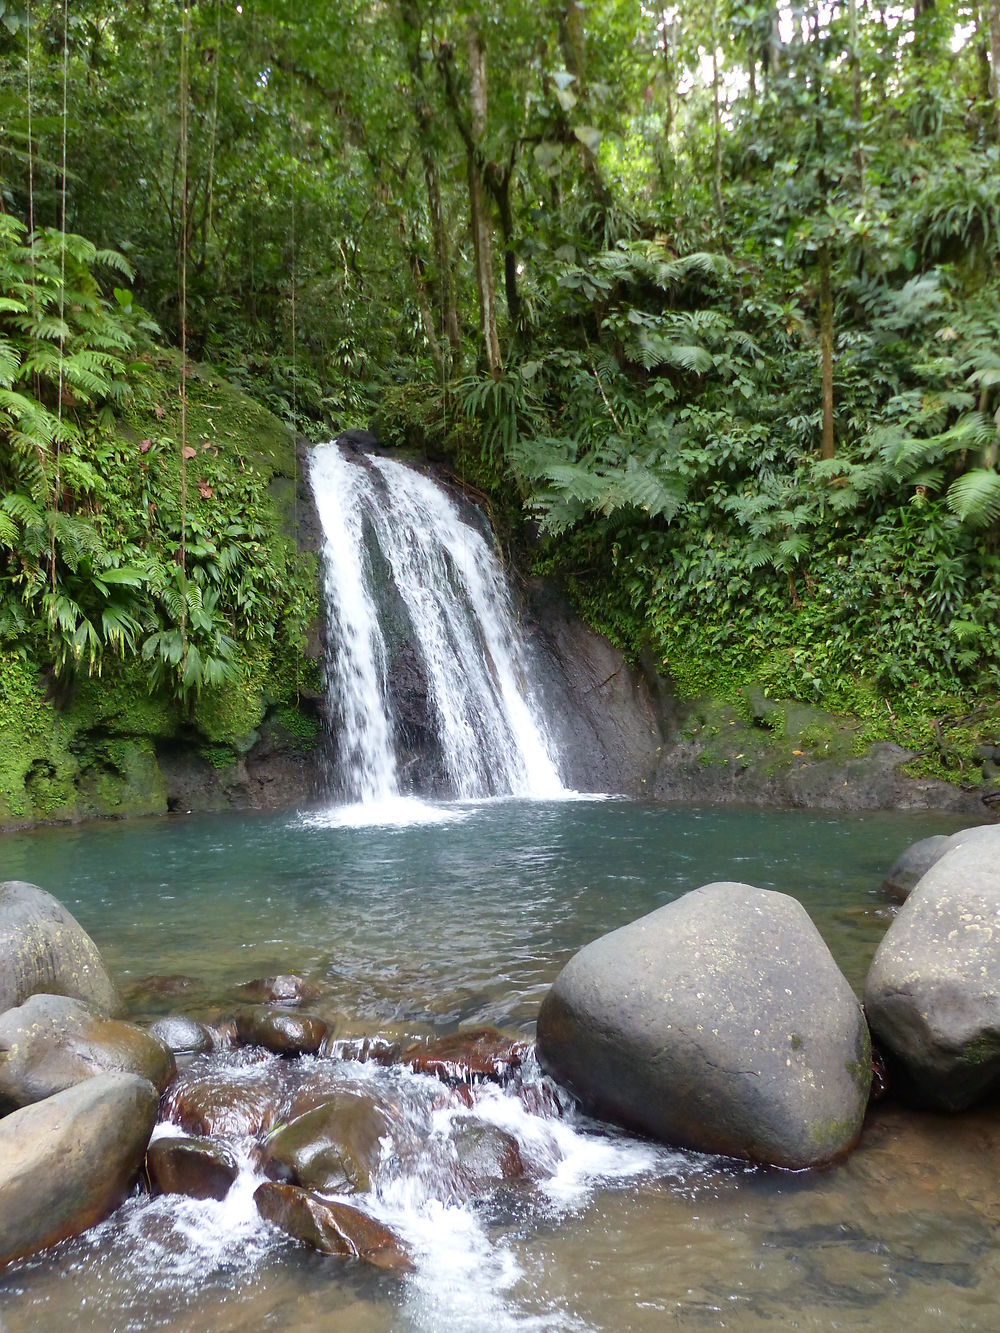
[{"x": 704, "y": 299}]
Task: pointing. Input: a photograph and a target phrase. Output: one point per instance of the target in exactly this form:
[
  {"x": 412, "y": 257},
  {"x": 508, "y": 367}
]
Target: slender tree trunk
[
  {"x": 716, "y": 126},
  {"x": 482, "y": 237},
  {"x": 994, "y": 17},
  {"x": 442, "y": 255},
  {"x": 826, "y": 349},
  {"x": 773, "y": 46},
  {"x": 856, "y": 108}
]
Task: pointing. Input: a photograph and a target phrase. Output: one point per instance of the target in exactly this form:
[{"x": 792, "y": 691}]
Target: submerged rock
[
  {"x": 68, "y": 1162},
  {"x": 45, "y": 949},
  {"x": 282, "y": 989},
  {"x": 334, "y": 1228},
  {"x": 195, "y": 1167},
  {"x": 334, "y": 1148},
  {"x": 284, "y": 1034},
  {"x": 467, "y": 1057},
  {"x": 238, "y": 1094},
  {"x": 932, "y": 994},
  {"x": 719, "y": 1022},
  {"x": 52, "y": 1042},
  {"x": 182, "y": 1035},
  {"x": 487, "y": 1155}
]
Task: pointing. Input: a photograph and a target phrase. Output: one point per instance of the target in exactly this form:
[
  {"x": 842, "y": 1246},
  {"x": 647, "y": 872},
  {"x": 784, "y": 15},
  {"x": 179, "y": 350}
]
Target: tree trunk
[
  {"x": 826, "y": 349},
  {"x": 716, "y": 127},
  {"x": 482, "y": 237},
  {"x": 994, "y": 16},
  {"x": 856, "y": 109},
  {"x": 442, "y": 256}
]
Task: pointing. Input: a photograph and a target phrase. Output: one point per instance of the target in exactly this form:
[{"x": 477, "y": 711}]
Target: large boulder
[
  {"x": 719, "y": 1022},
  {"x": 911, "y": 865},
  {"x": 68, "y": 1162},
  {"x": 51, "y": 1042},
  {"x": 932, "y": 994},
  {"x": 44, "y": 948}
]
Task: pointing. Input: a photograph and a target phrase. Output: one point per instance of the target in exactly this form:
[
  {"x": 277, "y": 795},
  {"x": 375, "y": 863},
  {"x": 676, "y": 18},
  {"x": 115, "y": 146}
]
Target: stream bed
[{"x": 441, "y": 917}]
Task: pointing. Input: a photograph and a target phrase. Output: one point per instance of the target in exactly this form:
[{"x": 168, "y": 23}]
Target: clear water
[{"x": 420, "y": 927}]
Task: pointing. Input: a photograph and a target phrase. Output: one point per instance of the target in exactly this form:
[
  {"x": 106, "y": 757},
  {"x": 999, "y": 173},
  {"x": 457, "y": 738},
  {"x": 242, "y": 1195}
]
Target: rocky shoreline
[{"x": 718, "y": 1023}]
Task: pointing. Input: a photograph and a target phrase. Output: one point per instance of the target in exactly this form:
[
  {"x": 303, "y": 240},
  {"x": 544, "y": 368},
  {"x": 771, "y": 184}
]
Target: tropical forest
[{"x": 483, "y": 485}]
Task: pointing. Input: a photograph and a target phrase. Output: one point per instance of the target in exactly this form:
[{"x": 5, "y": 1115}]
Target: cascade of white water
[
  {"x": 356, "y": 676},
  {"x": 491, "y": 731}
]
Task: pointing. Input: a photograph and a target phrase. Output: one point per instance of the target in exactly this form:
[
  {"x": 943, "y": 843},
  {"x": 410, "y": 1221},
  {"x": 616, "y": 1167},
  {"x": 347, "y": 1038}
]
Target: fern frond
[{"x": 975, "y": 497}]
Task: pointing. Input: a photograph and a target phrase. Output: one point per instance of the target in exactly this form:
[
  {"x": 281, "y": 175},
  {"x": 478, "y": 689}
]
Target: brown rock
[
  {"x": 284, "y": 989},
  {"x": 182, "y": 1035},
  {"x": 51, "y": 1042},
  {"x": 487, "y": 1155},
  {"x": 467, "y": 1057},
  {"x": 199, "y": 1169},
  {"x": 284, "y": 1034},
  {"x": 68, "y": 1162},
  {"x": 334, "y": 1228},
  {"x": 233, "y": 1097},
  {"x": 45, "y": 949},
  {"x": 334, "y": 1148}
]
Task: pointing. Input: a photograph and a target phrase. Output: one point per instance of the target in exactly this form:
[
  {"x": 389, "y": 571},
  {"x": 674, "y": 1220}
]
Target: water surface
[{"x": 426, "y": 926}]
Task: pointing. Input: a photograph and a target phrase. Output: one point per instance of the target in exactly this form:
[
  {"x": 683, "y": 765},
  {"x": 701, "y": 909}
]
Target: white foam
[{"x": 390, "y": 812}]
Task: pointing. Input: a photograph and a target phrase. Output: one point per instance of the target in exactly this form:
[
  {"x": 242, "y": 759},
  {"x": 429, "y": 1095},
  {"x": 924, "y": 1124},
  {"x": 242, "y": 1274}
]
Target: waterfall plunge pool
[{"x": 422, "y": 928}]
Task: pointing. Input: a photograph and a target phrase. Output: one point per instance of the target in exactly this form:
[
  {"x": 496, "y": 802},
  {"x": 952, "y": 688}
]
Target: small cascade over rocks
[{"x": 427, "y": 674}]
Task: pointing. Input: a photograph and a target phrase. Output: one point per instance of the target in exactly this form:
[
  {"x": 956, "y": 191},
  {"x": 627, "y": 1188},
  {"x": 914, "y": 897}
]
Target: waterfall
[{"x": 397, "y": 548}]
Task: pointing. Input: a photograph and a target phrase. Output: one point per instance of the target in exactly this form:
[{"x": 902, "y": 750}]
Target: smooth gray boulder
[
  {"x": 932, "y": 994},
  {"x": 68, "y": 1162},
  {"x": 719, "y": 1022},
  {"x": 52, "y": 1042},
  {"x": 911, "y": 865},
  {"x": 45, "y": 949}
]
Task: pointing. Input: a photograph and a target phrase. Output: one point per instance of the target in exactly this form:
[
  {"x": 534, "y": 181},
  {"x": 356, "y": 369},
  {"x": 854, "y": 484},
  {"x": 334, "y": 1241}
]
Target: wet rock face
[
  {"x": 334, "y": 1148},
  {"x": 68, "y": 1162},
  {"x": 719, "y": 1022},
  {"x": 182, "y": 1035},
  {"x": 932, "y": 994},
  {"x": 334, "y": 1228},
  {"x": 43, "y": 948},
  {"x": 50, "y": 1042},
  {"x": 487, "y": 1156},
  {"x": 472, "y": 1056},
  {"x": 282, "y": 1033},
  {"x": 230, "y": 1094},
  {"x": 194, "y": 1167}
]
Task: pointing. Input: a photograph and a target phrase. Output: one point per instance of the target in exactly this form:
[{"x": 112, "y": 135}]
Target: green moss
[{"x": 303, "y": 729}]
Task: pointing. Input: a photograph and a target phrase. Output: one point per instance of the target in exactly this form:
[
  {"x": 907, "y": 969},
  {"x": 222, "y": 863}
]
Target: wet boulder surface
[
  {"x": 334, "y": 1148},
  {"x": 719, "y": 1022},
  {"x": 198, "y": 1168},
  {"x": 333, "y": 1228},
  {"x": 44, "y": 949},
  {"x": 51, "y": 1042},
  {"x": 68, "y": 1162},
  {"x": 932, "y": 994}
]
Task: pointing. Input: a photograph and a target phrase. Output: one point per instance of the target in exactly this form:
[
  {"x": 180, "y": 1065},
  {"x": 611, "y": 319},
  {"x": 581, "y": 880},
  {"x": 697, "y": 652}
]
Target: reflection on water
[{"x": 416, "y": 928}]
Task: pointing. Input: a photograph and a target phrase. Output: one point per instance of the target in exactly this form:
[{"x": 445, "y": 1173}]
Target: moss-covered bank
[{"x": 120, "y": 741}]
